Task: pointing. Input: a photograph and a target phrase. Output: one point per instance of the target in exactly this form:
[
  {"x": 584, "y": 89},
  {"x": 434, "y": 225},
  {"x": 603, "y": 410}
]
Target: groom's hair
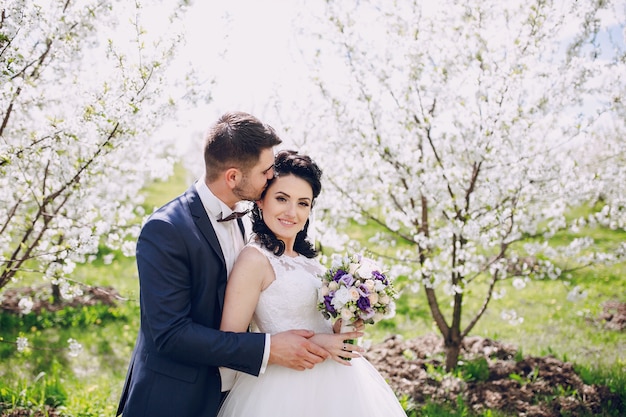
[{"x": 236, "y": 140}]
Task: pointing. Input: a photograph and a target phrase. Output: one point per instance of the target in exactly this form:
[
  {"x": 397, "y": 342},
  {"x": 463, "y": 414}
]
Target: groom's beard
[{"x": 245, "y": 191}]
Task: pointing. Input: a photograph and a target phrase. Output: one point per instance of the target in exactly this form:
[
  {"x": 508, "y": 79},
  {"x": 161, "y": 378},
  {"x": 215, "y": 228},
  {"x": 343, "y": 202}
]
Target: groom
[{"x": 184, "y": 254}]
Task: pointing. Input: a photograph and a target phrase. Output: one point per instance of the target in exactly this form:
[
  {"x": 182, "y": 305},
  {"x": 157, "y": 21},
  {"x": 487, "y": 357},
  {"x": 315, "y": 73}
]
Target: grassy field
[{"x": 45, "y": 376}]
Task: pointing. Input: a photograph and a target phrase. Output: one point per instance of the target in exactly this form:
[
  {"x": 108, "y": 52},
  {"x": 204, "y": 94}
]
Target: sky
[
  {"x": 260, "y": 50},
  {"x": 248, "y": 48},
  {"x": 256, "y": 38}
]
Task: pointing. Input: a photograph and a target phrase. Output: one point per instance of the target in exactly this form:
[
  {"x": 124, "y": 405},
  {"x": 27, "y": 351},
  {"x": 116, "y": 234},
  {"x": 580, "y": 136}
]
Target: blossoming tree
[
  {"x": 467, "y": 131},
  {"x": 83, "y": 88}
]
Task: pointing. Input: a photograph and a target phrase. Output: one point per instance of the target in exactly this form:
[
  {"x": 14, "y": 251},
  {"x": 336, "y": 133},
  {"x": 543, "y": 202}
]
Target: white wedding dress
[{"x": 329, "y": 389}]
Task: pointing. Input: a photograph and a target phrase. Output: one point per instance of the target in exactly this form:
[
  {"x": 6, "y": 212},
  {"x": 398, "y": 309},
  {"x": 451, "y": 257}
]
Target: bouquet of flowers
[{"x": 355, "y": 288}]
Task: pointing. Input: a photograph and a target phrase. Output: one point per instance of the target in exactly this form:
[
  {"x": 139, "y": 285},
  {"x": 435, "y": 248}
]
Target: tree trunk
[
  {"x": 56, "y": 294},
  {"x": 452, "y": 346}
]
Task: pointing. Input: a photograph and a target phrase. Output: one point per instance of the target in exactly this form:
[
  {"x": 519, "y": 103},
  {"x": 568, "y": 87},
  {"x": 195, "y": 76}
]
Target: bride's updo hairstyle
[{"x": 301, "y": 166}]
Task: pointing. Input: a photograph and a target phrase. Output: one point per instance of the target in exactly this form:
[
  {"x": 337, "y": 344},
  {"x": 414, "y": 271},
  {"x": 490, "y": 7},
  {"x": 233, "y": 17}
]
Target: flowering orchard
[
  {"x": 83, "y": 87},
  {"x": 467, "y": 131}
]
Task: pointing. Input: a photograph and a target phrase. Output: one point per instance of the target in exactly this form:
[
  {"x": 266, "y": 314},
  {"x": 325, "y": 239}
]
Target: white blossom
[
  {"x": 576, "y": 294},
  {"x": 519, "y": 283},
  {"x": 22, "y": 344},
  {"x": 511, "y": 317},
  {"x": 108, "y": 258},
  {"x": 79, "y": 139},
  {"x": 25, "y": 305},
  {"x": 468, "y": 131},
  {"x": 74, "y": 347}
]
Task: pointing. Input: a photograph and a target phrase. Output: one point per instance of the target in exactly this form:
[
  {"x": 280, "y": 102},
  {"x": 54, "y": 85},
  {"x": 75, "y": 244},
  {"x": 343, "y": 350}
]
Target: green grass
[{"x": 90, "y": 384}]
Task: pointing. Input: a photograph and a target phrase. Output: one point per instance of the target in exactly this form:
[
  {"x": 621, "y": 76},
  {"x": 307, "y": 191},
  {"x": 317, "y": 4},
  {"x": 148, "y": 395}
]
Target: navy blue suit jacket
[{"x": 182, "y": 274}]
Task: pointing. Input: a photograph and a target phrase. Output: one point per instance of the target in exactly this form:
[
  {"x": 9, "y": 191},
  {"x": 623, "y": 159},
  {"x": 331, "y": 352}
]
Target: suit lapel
[{"x": 203, "y": 223}]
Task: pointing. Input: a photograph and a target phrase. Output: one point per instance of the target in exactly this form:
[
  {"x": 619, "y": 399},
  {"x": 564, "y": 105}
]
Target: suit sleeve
[{"x": 180, "y": 279}]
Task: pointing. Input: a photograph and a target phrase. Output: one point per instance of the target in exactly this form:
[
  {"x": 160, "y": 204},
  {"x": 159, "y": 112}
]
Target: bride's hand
[
  {"x": 357, "y": 325},
  {"x": 338, "y": 349}
]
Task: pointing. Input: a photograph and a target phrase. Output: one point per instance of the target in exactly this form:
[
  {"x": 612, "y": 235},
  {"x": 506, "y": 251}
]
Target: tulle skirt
[{"x": 329, "y": 390}]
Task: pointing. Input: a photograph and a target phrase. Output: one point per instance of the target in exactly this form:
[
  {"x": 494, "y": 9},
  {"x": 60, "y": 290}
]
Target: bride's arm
[
  {"x": 242, "y": 294},
  {"x": 251, "y": 273}
]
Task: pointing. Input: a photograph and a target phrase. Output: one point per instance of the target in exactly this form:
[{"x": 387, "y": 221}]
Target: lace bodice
[{"x": 290, "y": 302}]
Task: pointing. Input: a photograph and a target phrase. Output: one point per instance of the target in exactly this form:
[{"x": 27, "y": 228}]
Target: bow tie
[{"x": 234, "y": 215}]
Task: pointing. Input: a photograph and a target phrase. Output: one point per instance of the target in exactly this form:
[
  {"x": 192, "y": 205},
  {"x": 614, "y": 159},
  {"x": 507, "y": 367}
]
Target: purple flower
[
  {"x": 347, "y": 280},
  {"x": 363, "y": 290},
  {"x": 363, "y": 303},
  {"x": 329, "y": 306},
  {"x": 339, "y": 274},
  {"x": 377, "y": 275}
]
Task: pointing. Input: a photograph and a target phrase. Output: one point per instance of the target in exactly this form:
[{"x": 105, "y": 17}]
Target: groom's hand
[{"x": 294, "y": 350}]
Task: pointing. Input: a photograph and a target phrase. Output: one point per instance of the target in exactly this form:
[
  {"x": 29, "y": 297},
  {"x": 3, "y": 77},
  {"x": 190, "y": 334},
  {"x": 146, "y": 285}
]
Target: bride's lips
[{"x": 286, "y": 222}]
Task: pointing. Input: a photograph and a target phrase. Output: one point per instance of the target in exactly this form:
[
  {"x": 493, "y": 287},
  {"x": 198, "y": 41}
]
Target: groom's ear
[{"x": 232, "y": 176}]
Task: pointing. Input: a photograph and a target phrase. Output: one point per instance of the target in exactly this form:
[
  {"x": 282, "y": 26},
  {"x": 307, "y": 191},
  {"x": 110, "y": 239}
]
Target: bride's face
[{"x": 286, "y": 206}]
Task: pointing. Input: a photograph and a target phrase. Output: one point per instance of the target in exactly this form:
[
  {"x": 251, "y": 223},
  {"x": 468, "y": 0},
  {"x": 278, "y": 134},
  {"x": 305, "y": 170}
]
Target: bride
[{"x": 274, "y": 286}]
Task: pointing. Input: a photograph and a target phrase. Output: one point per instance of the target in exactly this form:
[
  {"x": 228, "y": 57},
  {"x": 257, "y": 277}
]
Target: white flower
[
  {"x": 324, "y": 291},
  {"x": 75, "y": 347},
  {"x": 336, "y": 261},
  {"x": 68, "y": 291},
  {"x": 511, "y": 316},
  {"x": 373, "y": 297},
  {"x": 108, "y": 258},
  {"x": 128, "y": 248},
  {"x": 342, "y": 296},
  {"x": 26, "y": 305},
  {"x": 499, "y": 294},
  {"x": 354, "y": 293},
  {"x": 346, "y": 314},
  {"x": 366, "y": 268},
  {"x": 384, "y": 299},
  {"x": 391, "y": 310},
  {"x": 519, "y": 283},
  {"x": 576, "y": 294},
  {"x": 22, "y": 344},
  {"x": 379, "y": 286}
]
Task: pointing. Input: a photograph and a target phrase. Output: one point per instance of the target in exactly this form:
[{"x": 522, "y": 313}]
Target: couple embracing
[{"x": 205, "y": 279}]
